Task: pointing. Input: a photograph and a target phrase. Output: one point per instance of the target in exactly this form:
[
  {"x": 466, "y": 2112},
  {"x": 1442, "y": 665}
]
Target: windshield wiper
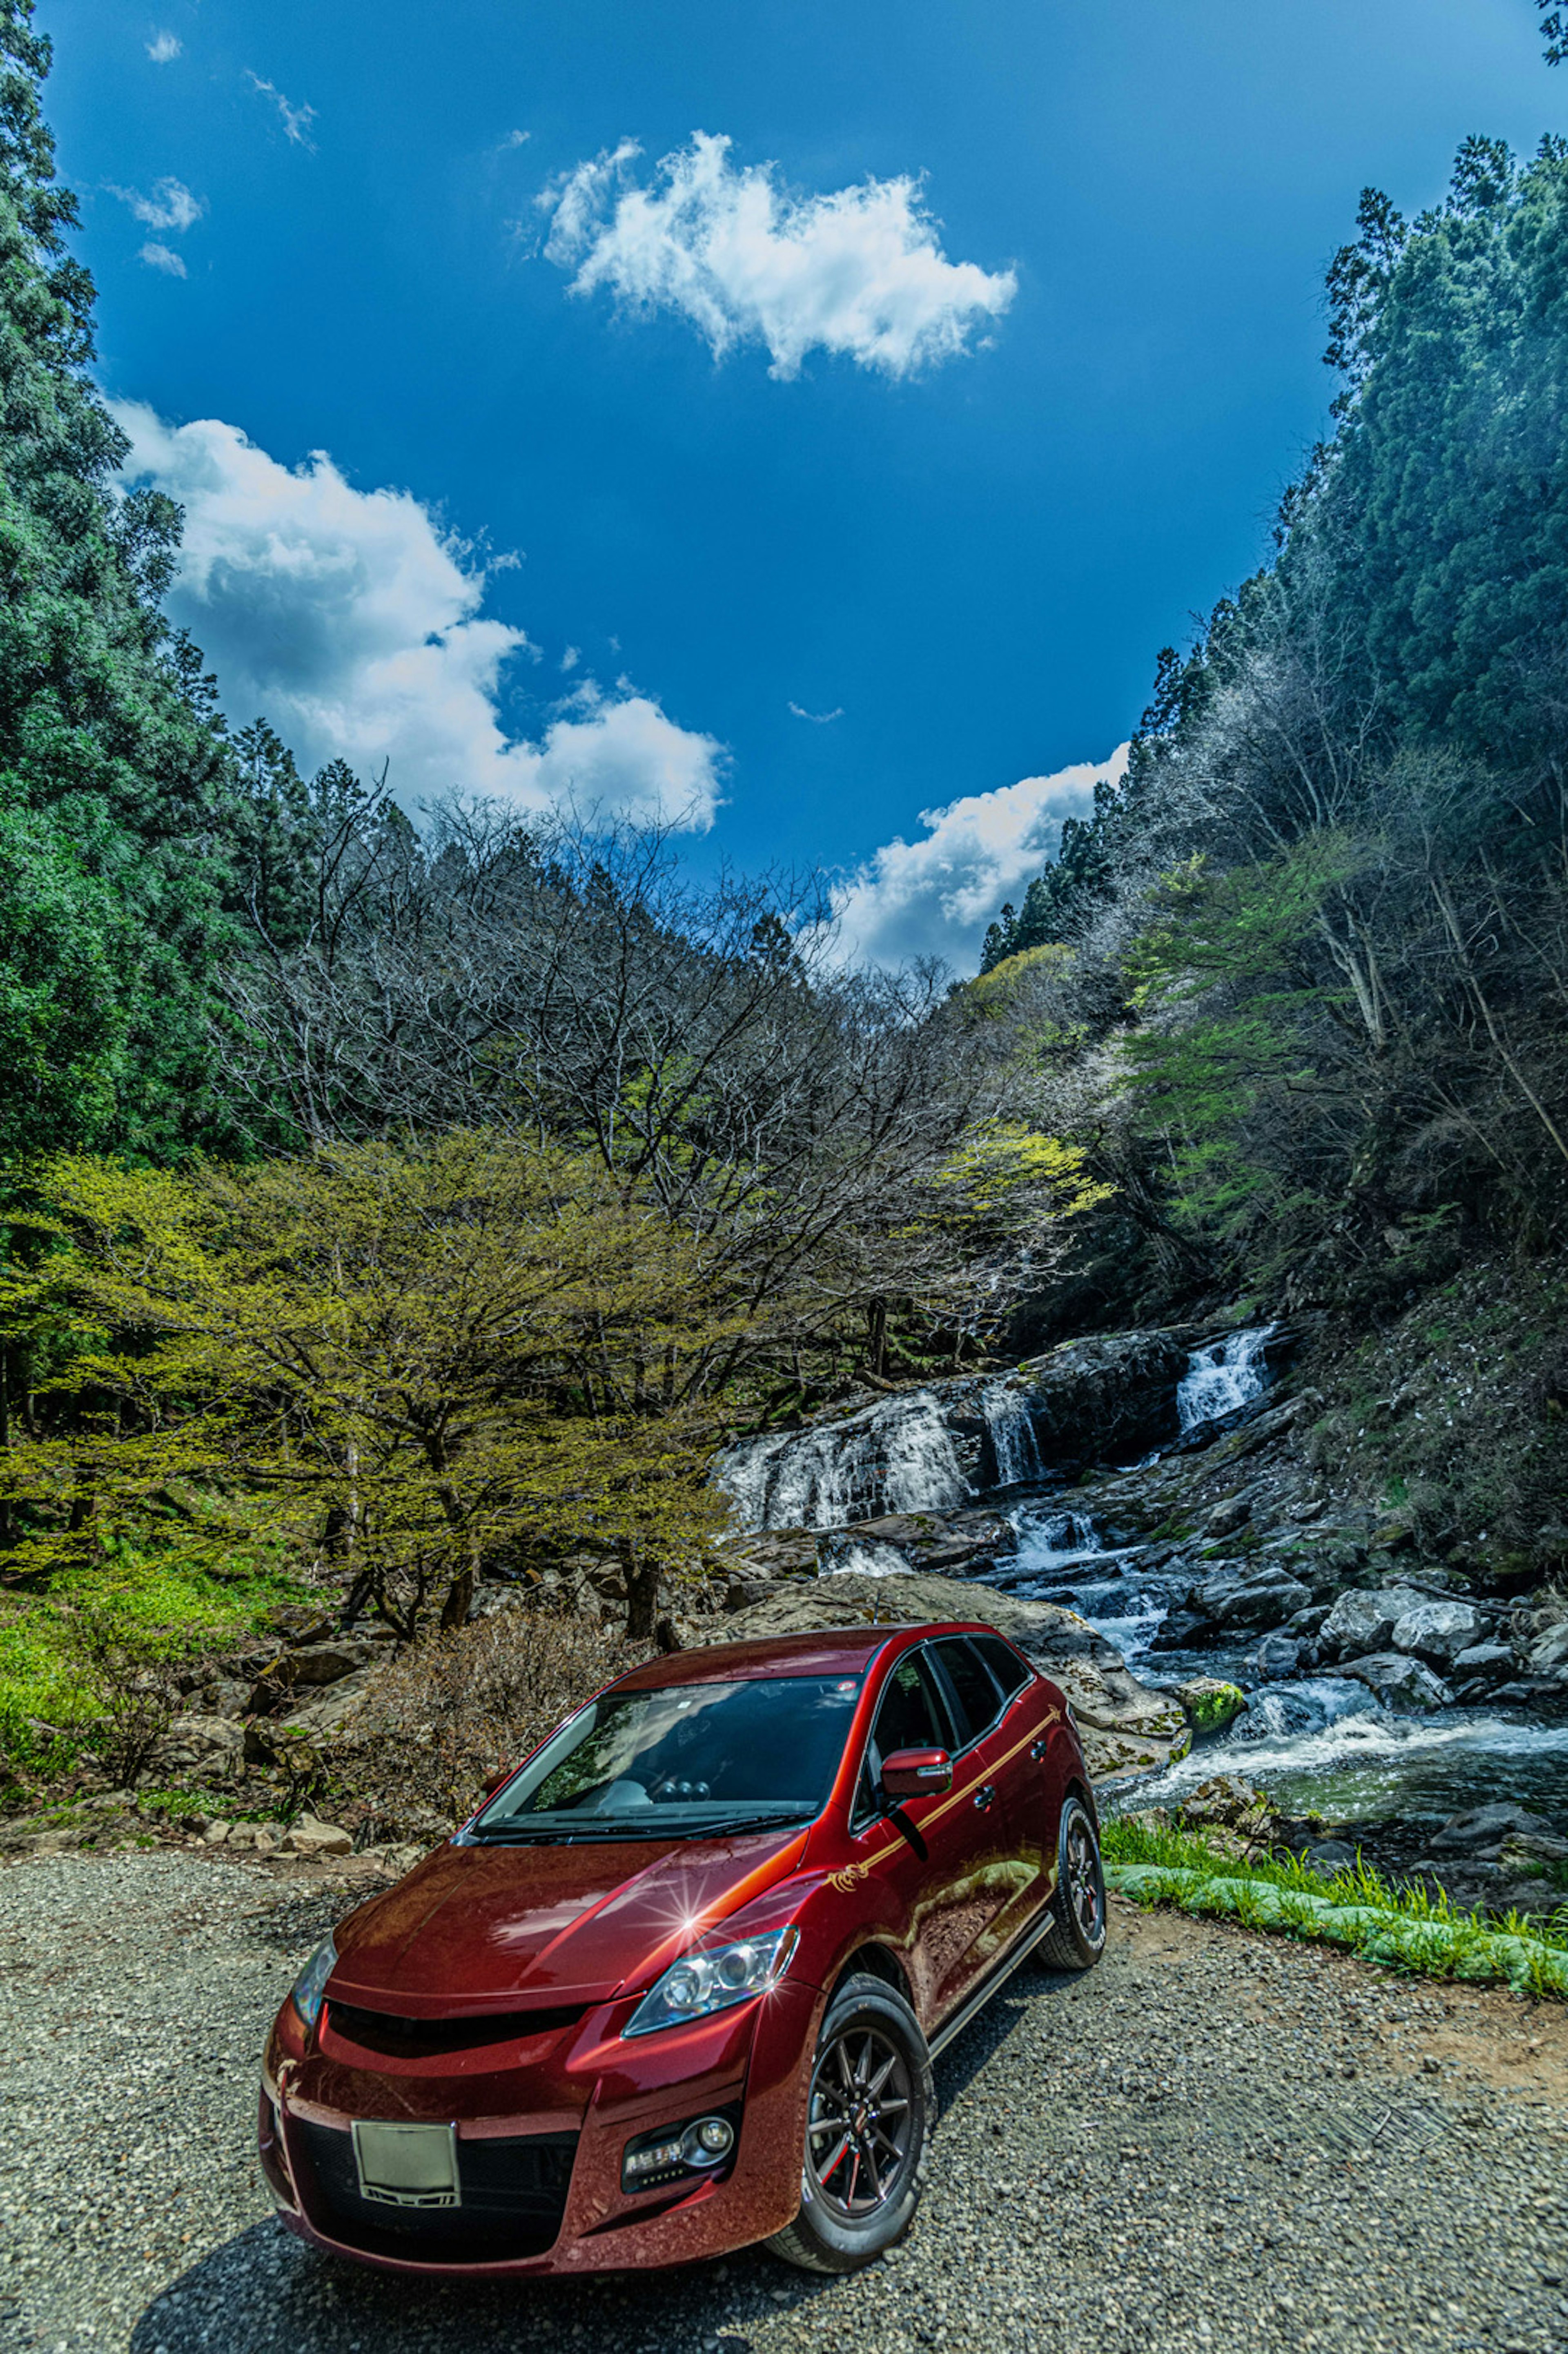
[{"x": 520, "y": 1833}]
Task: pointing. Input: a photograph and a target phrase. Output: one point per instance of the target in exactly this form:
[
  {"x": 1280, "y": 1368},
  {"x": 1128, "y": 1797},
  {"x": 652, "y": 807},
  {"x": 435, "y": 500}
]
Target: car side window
[
  {"x": 1010, "y": 1672},
  {"x": 977, "y": 1701},
  {"x": 909, "y": 1716}
]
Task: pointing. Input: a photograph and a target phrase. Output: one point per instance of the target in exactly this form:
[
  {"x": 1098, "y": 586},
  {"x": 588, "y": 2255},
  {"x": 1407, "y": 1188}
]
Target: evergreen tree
[{"x": 112, "y": 764}]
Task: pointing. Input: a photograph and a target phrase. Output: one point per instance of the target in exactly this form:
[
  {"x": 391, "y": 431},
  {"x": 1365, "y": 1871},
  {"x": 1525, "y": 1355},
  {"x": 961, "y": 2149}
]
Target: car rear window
[
  {"x": 973, "y": 1687},
  {"x": 1010, "y": 1672}
]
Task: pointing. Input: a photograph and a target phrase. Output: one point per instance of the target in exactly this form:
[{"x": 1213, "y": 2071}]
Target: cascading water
[
  {"x": 852, "y": 1556},
  {"x": 1012, "y": 1439},
  {"x": 895, "y": 1456},
  {"x": 1316, "y": 1743},
  {"x": 1224, "y": 1375}
]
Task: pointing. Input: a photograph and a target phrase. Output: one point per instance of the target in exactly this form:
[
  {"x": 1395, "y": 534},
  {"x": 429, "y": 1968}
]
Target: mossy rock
[{"x": 1210, "y": 1702}]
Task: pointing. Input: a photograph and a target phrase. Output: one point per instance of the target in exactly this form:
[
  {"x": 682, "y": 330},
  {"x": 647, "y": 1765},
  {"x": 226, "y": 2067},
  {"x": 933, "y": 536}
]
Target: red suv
[{"x": 677, "y": 1986}]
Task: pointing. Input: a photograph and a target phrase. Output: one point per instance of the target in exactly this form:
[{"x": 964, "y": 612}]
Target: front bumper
[{"x": 541, "y": 2134}]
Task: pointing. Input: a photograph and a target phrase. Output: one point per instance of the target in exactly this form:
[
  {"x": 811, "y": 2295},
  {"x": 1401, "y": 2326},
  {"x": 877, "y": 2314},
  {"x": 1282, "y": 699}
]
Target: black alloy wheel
[
  {"x": 868, "y": 2117},
  {"x": 857, "y": 2133},
  {"x": 1076, "y": 1938}
]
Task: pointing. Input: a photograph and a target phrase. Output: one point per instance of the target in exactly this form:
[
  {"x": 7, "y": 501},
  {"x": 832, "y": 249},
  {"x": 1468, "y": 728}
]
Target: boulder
[
  {"x": 324, "y": 1663},
  {"x": 1227, "y": 1517},
  {"x": 1438, "y": 1631},
  {"x": 1265, "y": 1597},
  {"x": 1105, "y": 1397},
  {"x": 1276, "y": 1656},
  {"x": 1224, "y": 1802},
  {"x": 1364, "y": 1619},
  {"x": 1210, "y": 1702},
  {"x": 1491, "y": 1659},
  {"x": 310, "y": 1835},
  {"x": 1399, "y": 1680},
  {"x": 1549, "y": 1652},
  {"x": 1482, "y": 1831},
  {"x": 945, "y": 1543},
  {"x": 1126, "y": 1728}
]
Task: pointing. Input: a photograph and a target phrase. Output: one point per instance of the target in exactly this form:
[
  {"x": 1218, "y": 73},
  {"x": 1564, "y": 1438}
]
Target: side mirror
[
  {"x": 503, "y": 1773},
  {"x": 916, "y": 1773}
]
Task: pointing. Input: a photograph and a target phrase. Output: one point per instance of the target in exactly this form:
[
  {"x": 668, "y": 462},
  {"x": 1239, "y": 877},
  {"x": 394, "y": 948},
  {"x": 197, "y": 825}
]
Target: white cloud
[
  {"x": 164, "y": 258},
  {"x": 353, "y": 623},
  {"x": 165, "y": 47},
  {"x": 817, "y": 718},
  {"x": 935, "y": 897},
  {"x": 296, "y": 120},
  {"x": 730, "y": 248},
  {"x": 516, "y": 139},
  {"x": 170, "y": 205}
]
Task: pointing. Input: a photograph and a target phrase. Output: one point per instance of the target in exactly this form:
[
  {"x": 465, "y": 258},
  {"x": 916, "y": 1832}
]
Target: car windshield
[{"x": 689, "y": 1758}]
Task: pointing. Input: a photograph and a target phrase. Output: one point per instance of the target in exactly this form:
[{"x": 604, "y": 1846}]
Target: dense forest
[{"x": 383, "y": 1203}]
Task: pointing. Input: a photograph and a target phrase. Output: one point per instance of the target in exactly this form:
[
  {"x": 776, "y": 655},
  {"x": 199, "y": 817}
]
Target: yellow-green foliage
[
  {"x": 407, "y": 1357},
  {"x": 1003, "y": 1163}
]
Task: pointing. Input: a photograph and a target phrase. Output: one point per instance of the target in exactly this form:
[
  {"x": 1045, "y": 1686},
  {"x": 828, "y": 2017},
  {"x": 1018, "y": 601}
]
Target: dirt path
[{"x": 1216, "y": 2142}]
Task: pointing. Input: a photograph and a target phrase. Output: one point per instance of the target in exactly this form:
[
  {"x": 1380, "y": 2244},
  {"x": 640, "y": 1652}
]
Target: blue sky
[{"x": 938, "y": 400}]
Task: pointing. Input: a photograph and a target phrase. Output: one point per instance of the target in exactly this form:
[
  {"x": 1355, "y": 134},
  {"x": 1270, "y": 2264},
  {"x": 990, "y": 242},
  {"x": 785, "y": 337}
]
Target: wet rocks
[
  {"x": 1363, "y": 1619},
  {"x": 1399, "y": 1681},
  {"x": 1107, "y": 1397},
  {"x": 1277, "y": 1656},
  {"x": 1241, "y": 1600},
  {"x": 1438, "y": 1631},
  {"x": 1227, "y": 1517},
  {"x": 963, "y": 1544},
  {"x": 1210, "y": 1703},
  {"x": 1482, "y": 1832}
]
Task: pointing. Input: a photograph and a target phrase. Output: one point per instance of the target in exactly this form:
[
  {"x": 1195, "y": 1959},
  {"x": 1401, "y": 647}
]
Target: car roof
[{"x": 817, "y": 1651}]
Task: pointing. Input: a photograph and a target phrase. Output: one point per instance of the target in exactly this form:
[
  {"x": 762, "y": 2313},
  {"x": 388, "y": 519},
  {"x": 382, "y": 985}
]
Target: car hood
[{"x": 477, "y": 1928}]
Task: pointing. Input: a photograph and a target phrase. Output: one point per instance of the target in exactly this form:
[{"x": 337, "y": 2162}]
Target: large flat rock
[{"x": 1126, "y": 1727}]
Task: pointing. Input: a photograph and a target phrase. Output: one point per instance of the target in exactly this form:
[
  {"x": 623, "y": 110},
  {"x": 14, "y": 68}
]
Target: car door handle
[{"x": 984, "y": 1796}]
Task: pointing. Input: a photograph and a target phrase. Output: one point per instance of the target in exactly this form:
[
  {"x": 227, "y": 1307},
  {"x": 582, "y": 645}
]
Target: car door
[
  {"x": 923, "y": 1849},
  {"x": 1034, "y": 1781},
  {"x": 993, "y": 1735}
]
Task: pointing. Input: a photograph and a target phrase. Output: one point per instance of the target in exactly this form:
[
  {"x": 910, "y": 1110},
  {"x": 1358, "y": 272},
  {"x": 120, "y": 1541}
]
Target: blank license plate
[{"x": 407, "y": 2166}]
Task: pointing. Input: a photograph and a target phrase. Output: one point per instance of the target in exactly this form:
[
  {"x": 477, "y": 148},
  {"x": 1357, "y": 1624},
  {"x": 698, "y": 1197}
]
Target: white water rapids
[{"x": 1319, "y": 1742}]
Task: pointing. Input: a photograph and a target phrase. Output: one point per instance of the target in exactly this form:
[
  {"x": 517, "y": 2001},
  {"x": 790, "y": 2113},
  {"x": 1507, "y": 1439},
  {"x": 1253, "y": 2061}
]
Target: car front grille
[
  {"x": 513, "y": 2197},
  {"x": 393, "y": 2036}
]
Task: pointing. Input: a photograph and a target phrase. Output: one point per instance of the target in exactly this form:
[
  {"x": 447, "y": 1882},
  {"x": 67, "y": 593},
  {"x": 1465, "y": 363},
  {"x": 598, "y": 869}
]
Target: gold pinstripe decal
[{"x": 846, "y": 1881}]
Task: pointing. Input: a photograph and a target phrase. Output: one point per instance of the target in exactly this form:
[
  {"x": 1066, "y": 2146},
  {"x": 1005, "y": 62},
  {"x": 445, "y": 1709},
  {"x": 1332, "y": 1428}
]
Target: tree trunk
[{"x": 642, "y": 1575}]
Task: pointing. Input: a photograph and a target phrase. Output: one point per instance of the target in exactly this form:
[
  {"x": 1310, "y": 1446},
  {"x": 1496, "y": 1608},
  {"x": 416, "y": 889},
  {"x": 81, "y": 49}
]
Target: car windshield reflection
[{"x": 693, "y": 1759}]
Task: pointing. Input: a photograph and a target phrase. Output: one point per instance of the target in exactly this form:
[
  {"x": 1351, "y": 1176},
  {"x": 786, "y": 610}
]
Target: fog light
[
  {"x": 708, "y": 2141},
  {"x": 654, "y": 2159}
]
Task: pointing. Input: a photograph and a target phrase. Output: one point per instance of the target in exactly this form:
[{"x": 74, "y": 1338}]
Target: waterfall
[
  {"x": 852, "y": 1556},
  {"x": 1222, "y": 1376},
  {"x": 896, "y": 1456},
  {"x": 1012, "y": 1440}
]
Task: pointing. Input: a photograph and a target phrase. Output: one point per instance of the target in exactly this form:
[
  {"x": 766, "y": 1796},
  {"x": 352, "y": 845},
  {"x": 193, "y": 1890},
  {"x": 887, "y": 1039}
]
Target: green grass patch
[
  {"x": 48, "y": 1707},
  {"x": 1401, "y": 1927}
]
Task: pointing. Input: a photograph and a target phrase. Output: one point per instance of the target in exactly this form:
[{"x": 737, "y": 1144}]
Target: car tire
[
  {"x": 870, "y": 2106},
  {"x": 1076, "y": 1938}
]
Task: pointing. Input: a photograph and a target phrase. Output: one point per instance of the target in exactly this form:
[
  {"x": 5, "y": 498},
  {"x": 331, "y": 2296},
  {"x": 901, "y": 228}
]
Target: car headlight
[
  {"x": 714, "y": 1977},
  {"x": 311, "y": 1984}
]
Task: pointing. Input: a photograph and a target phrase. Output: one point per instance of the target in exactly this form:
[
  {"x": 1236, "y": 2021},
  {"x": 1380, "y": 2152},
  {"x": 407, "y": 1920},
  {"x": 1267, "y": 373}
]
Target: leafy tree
[{"x": 403, "y": 1364}]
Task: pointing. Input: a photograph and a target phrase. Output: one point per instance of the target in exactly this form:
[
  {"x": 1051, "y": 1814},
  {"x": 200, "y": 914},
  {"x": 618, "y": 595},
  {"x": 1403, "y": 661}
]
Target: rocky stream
[{"x": 1141, "y": 1512}]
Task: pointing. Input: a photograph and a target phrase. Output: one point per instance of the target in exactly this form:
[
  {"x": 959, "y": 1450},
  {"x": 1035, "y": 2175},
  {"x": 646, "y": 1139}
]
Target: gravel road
[{"x": 1214, "y": 2142}]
